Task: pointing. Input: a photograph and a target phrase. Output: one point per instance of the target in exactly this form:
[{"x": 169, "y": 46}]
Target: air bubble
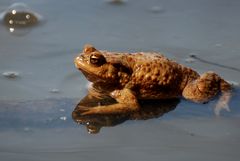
[
  {"x": 11, "y": 29},
  {"x": 19, "y": 17},
  {"x": 28, "y": 16},
  {"x": 10, "y": 22},
  {"x": 64, "y": 118}
]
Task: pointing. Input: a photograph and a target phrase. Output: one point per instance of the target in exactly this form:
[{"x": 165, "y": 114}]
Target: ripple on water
[
  {"x": 18, "y": 18},
  {"x": 10, "y": 74},
  {"x": 157, "y": 9},
  {"x": 116, "y": 2},
  {"x": 54, "y": 90},
  {"x": 64, "y": 118}
]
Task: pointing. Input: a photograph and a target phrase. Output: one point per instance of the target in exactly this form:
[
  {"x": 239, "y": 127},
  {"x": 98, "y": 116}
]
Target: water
[
  {"x": 40, "y": 86},
  {"x": 44, "y": 130}
]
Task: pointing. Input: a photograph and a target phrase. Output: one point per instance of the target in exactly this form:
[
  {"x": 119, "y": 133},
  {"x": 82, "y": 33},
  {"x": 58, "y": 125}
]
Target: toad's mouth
[
  {"x": 78, "y": 61},
  {"x": 91, "y": 77},
  {"x": 87, "y": 70}
]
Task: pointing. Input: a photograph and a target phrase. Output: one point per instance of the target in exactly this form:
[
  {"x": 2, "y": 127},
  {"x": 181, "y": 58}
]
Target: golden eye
[{"x": 97, "y": 59}]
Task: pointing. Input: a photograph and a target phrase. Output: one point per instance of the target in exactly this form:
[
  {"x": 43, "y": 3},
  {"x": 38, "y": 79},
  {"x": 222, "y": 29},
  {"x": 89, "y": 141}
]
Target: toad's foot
[
  {"x": 108, "y": 109},
  {"x": 222, "y": 103},
  {"x": 206, "y": 87},
  {"x": 126, "y": 103}
]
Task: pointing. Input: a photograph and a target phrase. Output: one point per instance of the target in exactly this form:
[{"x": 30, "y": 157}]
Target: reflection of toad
[
  {"x": 128, "y": 78},
  {"x": 149, "y": 109}
]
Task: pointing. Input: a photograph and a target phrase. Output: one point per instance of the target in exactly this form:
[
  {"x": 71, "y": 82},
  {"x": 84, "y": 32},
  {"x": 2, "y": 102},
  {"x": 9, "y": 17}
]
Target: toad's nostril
[{"x": 78, "y": 58}]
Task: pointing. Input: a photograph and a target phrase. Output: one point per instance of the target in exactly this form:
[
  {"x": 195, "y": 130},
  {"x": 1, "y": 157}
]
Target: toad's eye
[{"x": 97, "y": 59}]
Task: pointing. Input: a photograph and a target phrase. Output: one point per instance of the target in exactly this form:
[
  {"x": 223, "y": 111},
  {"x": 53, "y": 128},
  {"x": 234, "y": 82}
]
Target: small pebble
[{"x": 10, "y": 74}]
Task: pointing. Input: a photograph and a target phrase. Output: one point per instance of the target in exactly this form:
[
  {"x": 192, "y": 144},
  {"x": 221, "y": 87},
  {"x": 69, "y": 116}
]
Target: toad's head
[{"x": 95, "y": 65}]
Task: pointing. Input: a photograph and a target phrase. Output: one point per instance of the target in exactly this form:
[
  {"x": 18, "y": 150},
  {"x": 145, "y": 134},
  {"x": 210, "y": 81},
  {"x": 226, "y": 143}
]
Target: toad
[{"x": 130, "y": 77}]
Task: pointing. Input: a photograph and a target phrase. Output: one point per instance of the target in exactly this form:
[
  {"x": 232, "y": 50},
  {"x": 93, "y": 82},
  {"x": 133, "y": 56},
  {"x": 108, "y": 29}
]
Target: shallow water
[
  {"x": 40, "y": 87},
  {"x": 44, "y": 130}
]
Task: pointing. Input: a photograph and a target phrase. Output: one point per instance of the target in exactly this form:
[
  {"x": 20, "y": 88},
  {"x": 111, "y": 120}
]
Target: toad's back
[{"x": 155, "y": 76}]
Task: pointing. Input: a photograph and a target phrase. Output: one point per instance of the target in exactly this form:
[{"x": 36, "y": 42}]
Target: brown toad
[{"x": 128, "y": 77}]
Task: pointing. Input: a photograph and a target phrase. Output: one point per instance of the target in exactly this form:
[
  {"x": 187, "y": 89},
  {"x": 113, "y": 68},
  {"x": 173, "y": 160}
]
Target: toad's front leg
[{"x": 126, "y": 102}]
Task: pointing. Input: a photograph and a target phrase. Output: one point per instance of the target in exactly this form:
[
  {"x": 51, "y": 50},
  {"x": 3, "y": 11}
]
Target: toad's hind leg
[{"x": 206, "y": 87}]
